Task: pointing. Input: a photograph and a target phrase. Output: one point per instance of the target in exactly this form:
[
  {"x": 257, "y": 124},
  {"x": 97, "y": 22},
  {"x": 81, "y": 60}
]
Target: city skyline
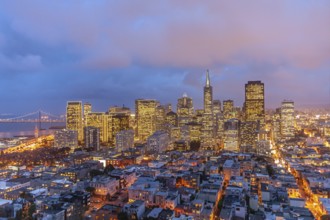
[{"x": 109, "y": 53}]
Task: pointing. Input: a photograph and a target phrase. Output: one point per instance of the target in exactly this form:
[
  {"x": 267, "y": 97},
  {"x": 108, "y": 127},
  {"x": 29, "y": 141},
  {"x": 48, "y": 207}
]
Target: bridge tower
[{"x": 39, "y": 120}]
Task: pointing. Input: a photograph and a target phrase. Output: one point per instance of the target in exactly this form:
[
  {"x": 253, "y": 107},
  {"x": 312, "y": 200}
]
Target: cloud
[
  {"x": 19, "y": 63},
  {"x": 116, "y": 51},
  {"x": 180, "y": 34}
]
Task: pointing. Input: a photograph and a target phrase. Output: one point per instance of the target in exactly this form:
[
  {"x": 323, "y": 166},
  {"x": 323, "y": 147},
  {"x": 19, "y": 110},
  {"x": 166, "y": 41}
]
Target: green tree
[
  {"x": 32, "y": 210},
  {"x": 108, "y": 168},
  {"x": 270, "y": 170},
  {"x": 90, "y": 189},
  {"x": 122, "y": 216},
  {"x": 220, "y": 203},
  {"x": 19, "y": 214},
  {"x": 94, "y": 173},
  {"x": 195, "y": 145}
]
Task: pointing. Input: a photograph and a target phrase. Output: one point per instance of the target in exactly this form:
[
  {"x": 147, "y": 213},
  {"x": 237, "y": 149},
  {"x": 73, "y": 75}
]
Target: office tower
[
  {"x": 92, "y": 137},
  {"x": 276, "y": 125},
  {"x": 228, "y": 109},
  {"x": 66, "y": 138},
  {"x": 167, "y": 107},
  {"x": 145, "y": 118},
  {"x": 117, "y": 121},
  {"x": 219, "y": 126},
  {"x": 231, "y": 133},
  {"x": 158, "y": 142},
  {"x": 217, "y": 114},
  {"x": 208, "y": 95},
  {"x": 87, "y": 109},
  {"x": 171, "y": 119},
  {"x": 185, "y": 110},
  {"x": 74, "y": 118},
  {"x": 99, "y": 120},
  {"x": 248, "y": 136},
  {"x": 124, "y": 140},
  {"x": 216, "y": 107},
  {"x": 194, "y": 131},
  {"x": 160, "y": 117},
  {"x": 255, "y": 102},
  {"x": 116, "y": 109},
  {"x": 287, "y": 119},
  {"x": 175, "y": 133},
  {"x": 207, "y": 124},
  {"x": 198, "y": 117}
]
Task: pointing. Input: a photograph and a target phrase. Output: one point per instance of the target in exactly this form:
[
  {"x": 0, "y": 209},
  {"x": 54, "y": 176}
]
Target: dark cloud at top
[{"x": 112, "y": 52}]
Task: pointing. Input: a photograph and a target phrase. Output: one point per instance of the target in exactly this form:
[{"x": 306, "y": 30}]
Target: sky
[{"x": 112, "y": 52}]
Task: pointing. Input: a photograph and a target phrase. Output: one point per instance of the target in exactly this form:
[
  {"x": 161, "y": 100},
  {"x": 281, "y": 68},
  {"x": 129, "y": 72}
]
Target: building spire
[{"x": 207, "y": 79}]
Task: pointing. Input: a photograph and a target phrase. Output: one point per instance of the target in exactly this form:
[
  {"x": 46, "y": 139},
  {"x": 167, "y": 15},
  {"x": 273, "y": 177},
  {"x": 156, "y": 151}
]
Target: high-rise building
[
  {"x": 160, "y": 117},
  {"x": 92, "y": 137},
  {"x": 66, "y": 138},
  {"x": 208, "y": 95},
  {"x": 248, "y": 136},
  {"x": 217, "y": 118},
  {"x": 216, "y": 107},
  {"x": 87, "y": 109},
  {"x": 276, "y": 125},
  {"x": 117, "y": 122},
  {"x": 145, "y": 118},
  {"x": 99, "y": 120},
  {"x": 194, "y": 131},
  {"x": 124, "y": 140},
  {"x": 287, "y": 119},
  {"x": 172, "y": 119},
  {"x": 116, "y": 109},
  {"x": 74, "y": 120},
  {"x": 185, "y": 110},
  {"x": 207, "y": 124},
  {"x": 228, "y": 109},
  {"x": 255, "y": 102},
  {"x": 231, "y": 135},
  {"x": 158, "y": 142}
]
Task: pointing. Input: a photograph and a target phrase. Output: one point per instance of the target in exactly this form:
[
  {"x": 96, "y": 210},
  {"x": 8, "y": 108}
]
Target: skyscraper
[
  {"x": 207, "y": 125},
  {"x": 185, "y": 110},
  {"x": 208, "y": 95},
  {"x": 171, "y": 119},
  {"x": 66, "y": 138},
  {"x": 124, "y": 140},
  {"x": 160, "y": 117},
  {"x": 287, "y": 119},
  {"x": 117, "y": 122},
  {"x": 255, "y": 102},
  {"x": 87, "y": 109},
  {"x": 145, "y": 118},
  {"x": 74, "y": 118},
  {"x": 99, "y": 120},
  {"x": 228, "y": 109},
  {"x": 231, "y": 135},
  {"x": 92, "y": 138}
]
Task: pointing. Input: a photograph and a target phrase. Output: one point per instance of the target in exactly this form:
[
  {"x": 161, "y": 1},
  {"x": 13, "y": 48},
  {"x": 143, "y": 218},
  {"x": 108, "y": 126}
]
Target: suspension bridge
[{"x": 34, "y": 117}]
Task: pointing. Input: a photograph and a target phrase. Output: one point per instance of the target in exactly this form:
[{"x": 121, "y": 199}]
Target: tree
[
  {"x": 107, "y": 197},
  {"x": 270, "y": 170},
  {"x": 220, "y": 203},
  {"x": 195, "y": 145},
  {"x": 94, "y": 173},
  {"x": 32, "y": 210},
  {"x": 108, "y": 168},
  {"x": 90, "y": 189},
  {"x": 122, "y": 216}
]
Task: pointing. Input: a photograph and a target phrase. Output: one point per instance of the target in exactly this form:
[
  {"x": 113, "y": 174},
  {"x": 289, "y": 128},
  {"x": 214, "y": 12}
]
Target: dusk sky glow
[{"x": 113, "y": 52}]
